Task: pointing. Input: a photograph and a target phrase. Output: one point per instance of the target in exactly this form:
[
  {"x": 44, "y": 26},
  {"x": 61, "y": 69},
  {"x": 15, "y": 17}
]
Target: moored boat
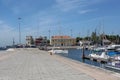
[
  {"x": 113, "y": 47},
  {"x": 103, "y": 55},
  {"x": 58, "y": 51},
  {"x": 114, "y": 65}
]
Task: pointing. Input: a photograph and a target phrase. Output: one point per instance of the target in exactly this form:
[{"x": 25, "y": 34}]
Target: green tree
[
  {"x": 32, "y": 41},
  {"x": 78, "y": 39},
  {"x": 87, "y": 38},
  {"x": 94, "y": 37}
]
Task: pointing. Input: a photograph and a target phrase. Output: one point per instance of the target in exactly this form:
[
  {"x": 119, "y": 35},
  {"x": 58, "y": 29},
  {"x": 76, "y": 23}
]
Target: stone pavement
[{"x": 33, "y": 64}]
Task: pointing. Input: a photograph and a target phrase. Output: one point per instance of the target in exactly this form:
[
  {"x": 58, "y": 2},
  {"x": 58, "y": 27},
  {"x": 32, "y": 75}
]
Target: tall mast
[
  {"x": 13, "y": 42},
  {"x": 88, "y": 32}
]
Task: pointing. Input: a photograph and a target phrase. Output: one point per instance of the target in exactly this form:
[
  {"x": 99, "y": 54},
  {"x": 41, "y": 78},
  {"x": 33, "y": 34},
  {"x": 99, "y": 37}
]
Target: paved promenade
[{"x": 33, "y": 64}]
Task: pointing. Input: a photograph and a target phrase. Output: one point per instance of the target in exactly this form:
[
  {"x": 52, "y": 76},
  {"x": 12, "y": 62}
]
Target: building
[
  {"x": 41, "y": 41},
  {"x": 62, "y": 41},
  {"x": 29, "y": 41}
]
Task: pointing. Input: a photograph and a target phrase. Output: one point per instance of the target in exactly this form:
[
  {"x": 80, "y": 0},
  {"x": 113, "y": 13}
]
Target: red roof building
[{"x": 62, "y": 41}]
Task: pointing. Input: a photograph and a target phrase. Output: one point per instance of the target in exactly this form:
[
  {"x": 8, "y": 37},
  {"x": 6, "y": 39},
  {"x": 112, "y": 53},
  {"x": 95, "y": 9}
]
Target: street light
[{"x": 19, "y": 31}]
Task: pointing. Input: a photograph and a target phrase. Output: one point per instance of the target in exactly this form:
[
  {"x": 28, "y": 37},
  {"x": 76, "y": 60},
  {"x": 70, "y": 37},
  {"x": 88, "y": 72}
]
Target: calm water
[{"x": 76, "y": 54}]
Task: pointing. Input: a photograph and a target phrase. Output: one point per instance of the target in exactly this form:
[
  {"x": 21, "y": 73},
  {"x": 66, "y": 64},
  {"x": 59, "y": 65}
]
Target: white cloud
[
  {"x": 68, "y": 5},
  {"x": 1, "y": 22},
  {"x": 47, "y": 19},
  {"x": 85, "y": 11},
  {"x": 12, "y": 5},
  {"x": 16, "y": 10},
  {"x": 17, "y": 7},
  {"x": 34, "y": 28},
  {"x": 6, "y": 34}
]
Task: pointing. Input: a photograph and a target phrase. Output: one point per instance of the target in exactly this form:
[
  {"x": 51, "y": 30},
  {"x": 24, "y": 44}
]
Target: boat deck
[{"x": 101, "y": 60}]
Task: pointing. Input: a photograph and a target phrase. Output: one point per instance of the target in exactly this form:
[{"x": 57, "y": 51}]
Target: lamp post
[{"x": 19, "y": 31}]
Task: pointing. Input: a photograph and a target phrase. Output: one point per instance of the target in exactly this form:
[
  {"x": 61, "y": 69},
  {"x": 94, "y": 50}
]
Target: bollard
[
  {"x": 50, "y": 53},
  {"x": 83, "y": 54}
]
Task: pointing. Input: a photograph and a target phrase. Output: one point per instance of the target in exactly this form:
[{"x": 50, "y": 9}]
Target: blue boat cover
[{"x": 112, "y": 53}]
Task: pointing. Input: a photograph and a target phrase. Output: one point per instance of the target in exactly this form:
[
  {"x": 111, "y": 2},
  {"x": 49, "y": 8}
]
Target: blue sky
[{"x": 59, "y": 16}]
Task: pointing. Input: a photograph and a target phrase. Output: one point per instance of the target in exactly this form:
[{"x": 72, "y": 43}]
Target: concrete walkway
[
  {"x": 95, "y": 72},
  {"x": 33, "y": 64}
]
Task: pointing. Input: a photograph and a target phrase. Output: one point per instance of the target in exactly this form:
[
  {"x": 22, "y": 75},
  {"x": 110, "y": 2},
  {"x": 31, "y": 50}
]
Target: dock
[{"x": 35, "y": 64}]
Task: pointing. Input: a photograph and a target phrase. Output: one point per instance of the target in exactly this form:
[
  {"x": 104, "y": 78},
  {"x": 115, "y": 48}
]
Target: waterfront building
[
  {"x": 62, "y": 41},
  {"x": 41, "y": 41},
  {"x": 29, "y": 41}
]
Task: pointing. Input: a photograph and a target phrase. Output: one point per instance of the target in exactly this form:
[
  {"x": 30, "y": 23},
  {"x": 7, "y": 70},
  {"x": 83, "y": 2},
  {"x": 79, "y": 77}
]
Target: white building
[{"x": 29, "y": 40}]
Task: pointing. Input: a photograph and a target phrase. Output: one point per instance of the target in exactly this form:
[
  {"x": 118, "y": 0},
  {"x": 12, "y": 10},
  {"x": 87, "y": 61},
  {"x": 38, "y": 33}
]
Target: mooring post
[
  {"x": 83, "y": 53},
  {"x": 50, "y": 53}
]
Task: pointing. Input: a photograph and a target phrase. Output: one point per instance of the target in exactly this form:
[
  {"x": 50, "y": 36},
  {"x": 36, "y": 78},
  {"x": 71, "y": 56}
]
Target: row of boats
[{"x": 110, "y": 53}]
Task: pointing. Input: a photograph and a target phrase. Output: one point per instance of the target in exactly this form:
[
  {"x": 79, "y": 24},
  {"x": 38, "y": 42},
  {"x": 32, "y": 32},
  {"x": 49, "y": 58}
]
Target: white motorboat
[
  {"x": 113, "y": 47},
  {"x": 117, "y": 57},
  {"x": 58, "y": 51},
  {"x": 118, "y": 49},
  {"x": 103, "y": 55},
  {"x": 10, "y": 49},
  {"x": 115, "y": 65},
  {"x": 100, "y": 49}
]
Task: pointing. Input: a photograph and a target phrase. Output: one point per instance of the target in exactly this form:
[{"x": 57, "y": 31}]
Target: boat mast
[{"x": 13, "y": 42}]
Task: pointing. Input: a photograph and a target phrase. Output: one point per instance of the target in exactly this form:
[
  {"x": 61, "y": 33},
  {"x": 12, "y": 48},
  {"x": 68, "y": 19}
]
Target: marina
[
  {"x": 76, "y": 54},
  {"x": 25, "y": 64},
  {"x": 60, "y": 40}
]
